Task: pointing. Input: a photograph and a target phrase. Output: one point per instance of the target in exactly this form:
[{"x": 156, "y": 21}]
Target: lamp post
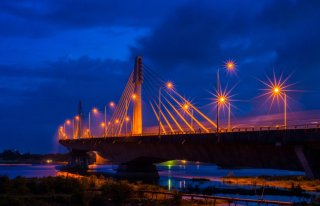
[
  {"x": 169, "y": 85},
  {"x": 277, "y": 90},
  {"x": 223, "y": 100},
  {"x": 67, "y": 122},
  {"x": 103, "y": 126},
  {"x": 187, "y": 107},
  {"x": 127, "y": 120}
]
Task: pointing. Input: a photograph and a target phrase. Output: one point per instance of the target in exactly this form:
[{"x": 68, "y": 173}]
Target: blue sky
[{"x": 55, "y": 52}]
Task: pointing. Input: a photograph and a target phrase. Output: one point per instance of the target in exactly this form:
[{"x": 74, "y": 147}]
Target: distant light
[
  {"x": 49, "y": 161},
  {"x": 134, "y": 96},
  {"x": 276, "y": 90},
  {"x": 102, "y": 124},
  {"x": 77, "y": 117},
  {"x": 127, "y": 119},
  {"x": 230, "y": 65},
  {"x": 169, "y": 85},
  {"x": 112, "y": 104},
  {"x": 95, "y": 110},
  {"x": 117, "y": 121},
  {"x": 222, "y": 99},
  {"x": 184, "y": 162},
  {"x": 186, "y": 106},
  {"x": 68, "y": 122}
]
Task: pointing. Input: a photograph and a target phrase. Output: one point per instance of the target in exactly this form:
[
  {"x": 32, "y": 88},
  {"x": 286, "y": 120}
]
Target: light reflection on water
[{"x": 178, "y": 176}]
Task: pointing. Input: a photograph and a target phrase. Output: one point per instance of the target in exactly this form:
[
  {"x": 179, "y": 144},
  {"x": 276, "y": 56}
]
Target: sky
[{"x": 54, "y": 53}]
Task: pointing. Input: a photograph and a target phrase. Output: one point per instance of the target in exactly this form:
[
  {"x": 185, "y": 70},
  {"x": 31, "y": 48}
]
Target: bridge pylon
[{"x": 137, "y": 102}]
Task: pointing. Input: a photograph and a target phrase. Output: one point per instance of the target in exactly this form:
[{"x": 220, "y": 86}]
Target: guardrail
[{"x": 221, "y": 130}]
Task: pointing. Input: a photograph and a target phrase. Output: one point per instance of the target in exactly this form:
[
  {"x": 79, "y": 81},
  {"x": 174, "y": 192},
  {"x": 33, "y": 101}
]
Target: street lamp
[
  {"x": 277, "y": 91},
  {"x": 127, "y": 120},
  {"x": 94, "y": 111},
  {"x": 186, "y": 107},
  {"x": 223, "y": 100},
  {"x": 67, "y": 122},
  {"x": 61, "y": 133},
  {"x": 103, "y": 125},
  {"x": 111, "y": 105},
  {"x": 169, "y": 85},
  {"x": 230, "y": 66}
]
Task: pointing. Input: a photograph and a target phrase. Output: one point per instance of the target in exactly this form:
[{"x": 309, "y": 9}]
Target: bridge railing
[{"x": 221, "y": 130}]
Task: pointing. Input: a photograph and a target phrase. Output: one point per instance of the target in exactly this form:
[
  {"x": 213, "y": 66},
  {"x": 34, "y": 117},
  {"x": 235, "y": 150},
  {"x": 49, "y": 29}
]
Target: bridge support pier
[
  {"x": 138, "y": 172},
  {"x": 308, "y": 159},
  {"x": 79, "y": 160}
]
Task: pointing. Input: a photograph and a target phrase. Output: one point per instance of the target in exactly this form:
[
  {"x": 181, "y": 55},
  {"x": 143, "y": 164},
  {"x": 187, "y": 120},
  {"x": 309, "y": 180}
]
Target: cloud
[
  {"x": 204, "y": 35},
  {"x": 38, "y": 19}
]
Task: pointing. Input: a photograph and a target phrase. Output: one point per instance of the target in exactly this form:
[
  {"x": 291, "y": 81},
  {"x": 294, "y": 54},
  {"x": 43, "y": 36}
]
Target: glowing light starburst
[
  {"x": 276, "y": 88},
  {"x": 230, "y": 65}
]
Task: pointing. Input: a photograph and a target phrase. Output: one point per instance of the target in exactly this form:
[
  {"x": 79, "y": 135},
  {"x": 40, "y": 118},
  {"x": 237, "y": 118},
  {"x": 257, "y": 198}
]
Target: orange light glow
[
  {"x": 222, "y": 99},
  {"x": 134, "y": 96},
  {"x": 230, "y": 65},
  {"x": 102, "y": 124},
  {"x": 186, "y": 106},
  {"x": 127, "y": 119},
  {"x": 95, "y": 111},
  {"x": 117, "y": 121},
  {"x": 61, "y": 128},
  {"x": 112, "y": 104},
  {"x": 169, "y": 85},
  {"x": 68, "y": 122},
  {"x": 276, "y": 90},
  {"x": 77, "y": 117}
]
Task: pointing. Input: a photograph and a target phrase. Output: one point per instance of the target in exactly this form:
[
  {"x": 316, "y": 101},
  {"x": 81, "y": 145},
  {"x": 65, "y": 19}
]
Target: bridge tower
[{"x": 137, "y": 103}]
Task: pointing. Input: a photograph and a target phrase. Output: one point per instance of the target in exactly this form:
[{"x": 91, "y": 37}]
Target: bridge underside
[{"x": 289, "y": 150}]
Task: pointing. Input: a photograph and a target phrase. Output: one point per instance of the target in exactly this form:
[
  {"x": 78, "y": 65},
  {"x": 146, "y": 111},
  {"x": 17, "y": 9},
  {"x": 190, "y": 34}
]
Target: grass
[{"x": 286, "y": 182}]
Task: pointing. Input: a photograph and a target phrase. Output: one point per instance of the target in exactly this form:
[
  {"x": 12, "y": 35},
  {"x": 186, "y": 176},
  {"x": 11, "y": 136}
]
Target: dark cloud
[
  {"x": 35, "y": 100},
  {"x": 43, "y": 18}
]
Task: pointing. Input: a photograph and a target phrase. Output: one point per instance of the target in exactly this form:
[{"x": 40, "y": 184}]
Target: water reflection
[{"x": 173, "y": 175}]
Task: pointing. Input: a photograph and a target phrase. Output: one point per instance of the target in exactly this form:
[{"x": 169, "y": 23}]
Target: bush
[{"x": 117, "y": 192}]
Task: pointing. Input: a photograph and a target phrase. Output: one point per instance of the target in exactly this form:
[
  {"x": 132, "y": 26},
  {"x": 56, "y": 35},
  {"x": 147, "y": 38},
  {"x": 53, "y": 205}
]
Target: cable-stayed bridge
[{"x": 183, "y": 131}]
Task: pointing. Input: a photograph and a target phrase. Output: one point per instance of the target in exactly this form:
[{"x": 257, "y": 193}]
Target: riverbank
[
  {"x": 285, "y": 182},
  {"x": 71, "y": 189}
]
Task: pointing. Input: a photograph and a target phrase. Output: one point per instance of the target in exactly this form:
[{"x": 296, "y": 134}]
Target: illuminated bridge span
[{"x": 183, "y": 131}]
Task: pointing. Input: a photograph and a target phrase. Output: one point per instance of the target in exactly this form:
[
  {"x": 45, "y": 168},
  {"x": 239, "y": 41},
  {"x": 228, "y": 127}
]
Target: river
[{"x": 172, "y": 176}]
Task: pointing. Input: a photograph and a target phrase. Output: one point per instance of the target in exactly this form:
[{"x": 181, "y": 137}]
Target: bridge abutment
[{"x": 79, "y": 160}]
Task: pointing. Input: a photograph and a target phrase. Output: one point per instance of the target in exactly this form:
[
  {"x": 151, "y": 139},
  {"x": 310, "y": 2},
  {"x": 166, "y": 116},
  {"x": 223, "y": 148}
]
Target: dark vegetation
[
  {"x": 14, "y": 156},
  {"x": 72, "y": 191}
]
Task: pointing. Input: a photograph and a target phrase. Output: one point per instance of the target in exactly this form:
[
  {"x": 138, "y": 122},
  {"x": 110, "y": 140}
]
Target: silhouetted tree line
[{"x": 16, "y": 156}]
